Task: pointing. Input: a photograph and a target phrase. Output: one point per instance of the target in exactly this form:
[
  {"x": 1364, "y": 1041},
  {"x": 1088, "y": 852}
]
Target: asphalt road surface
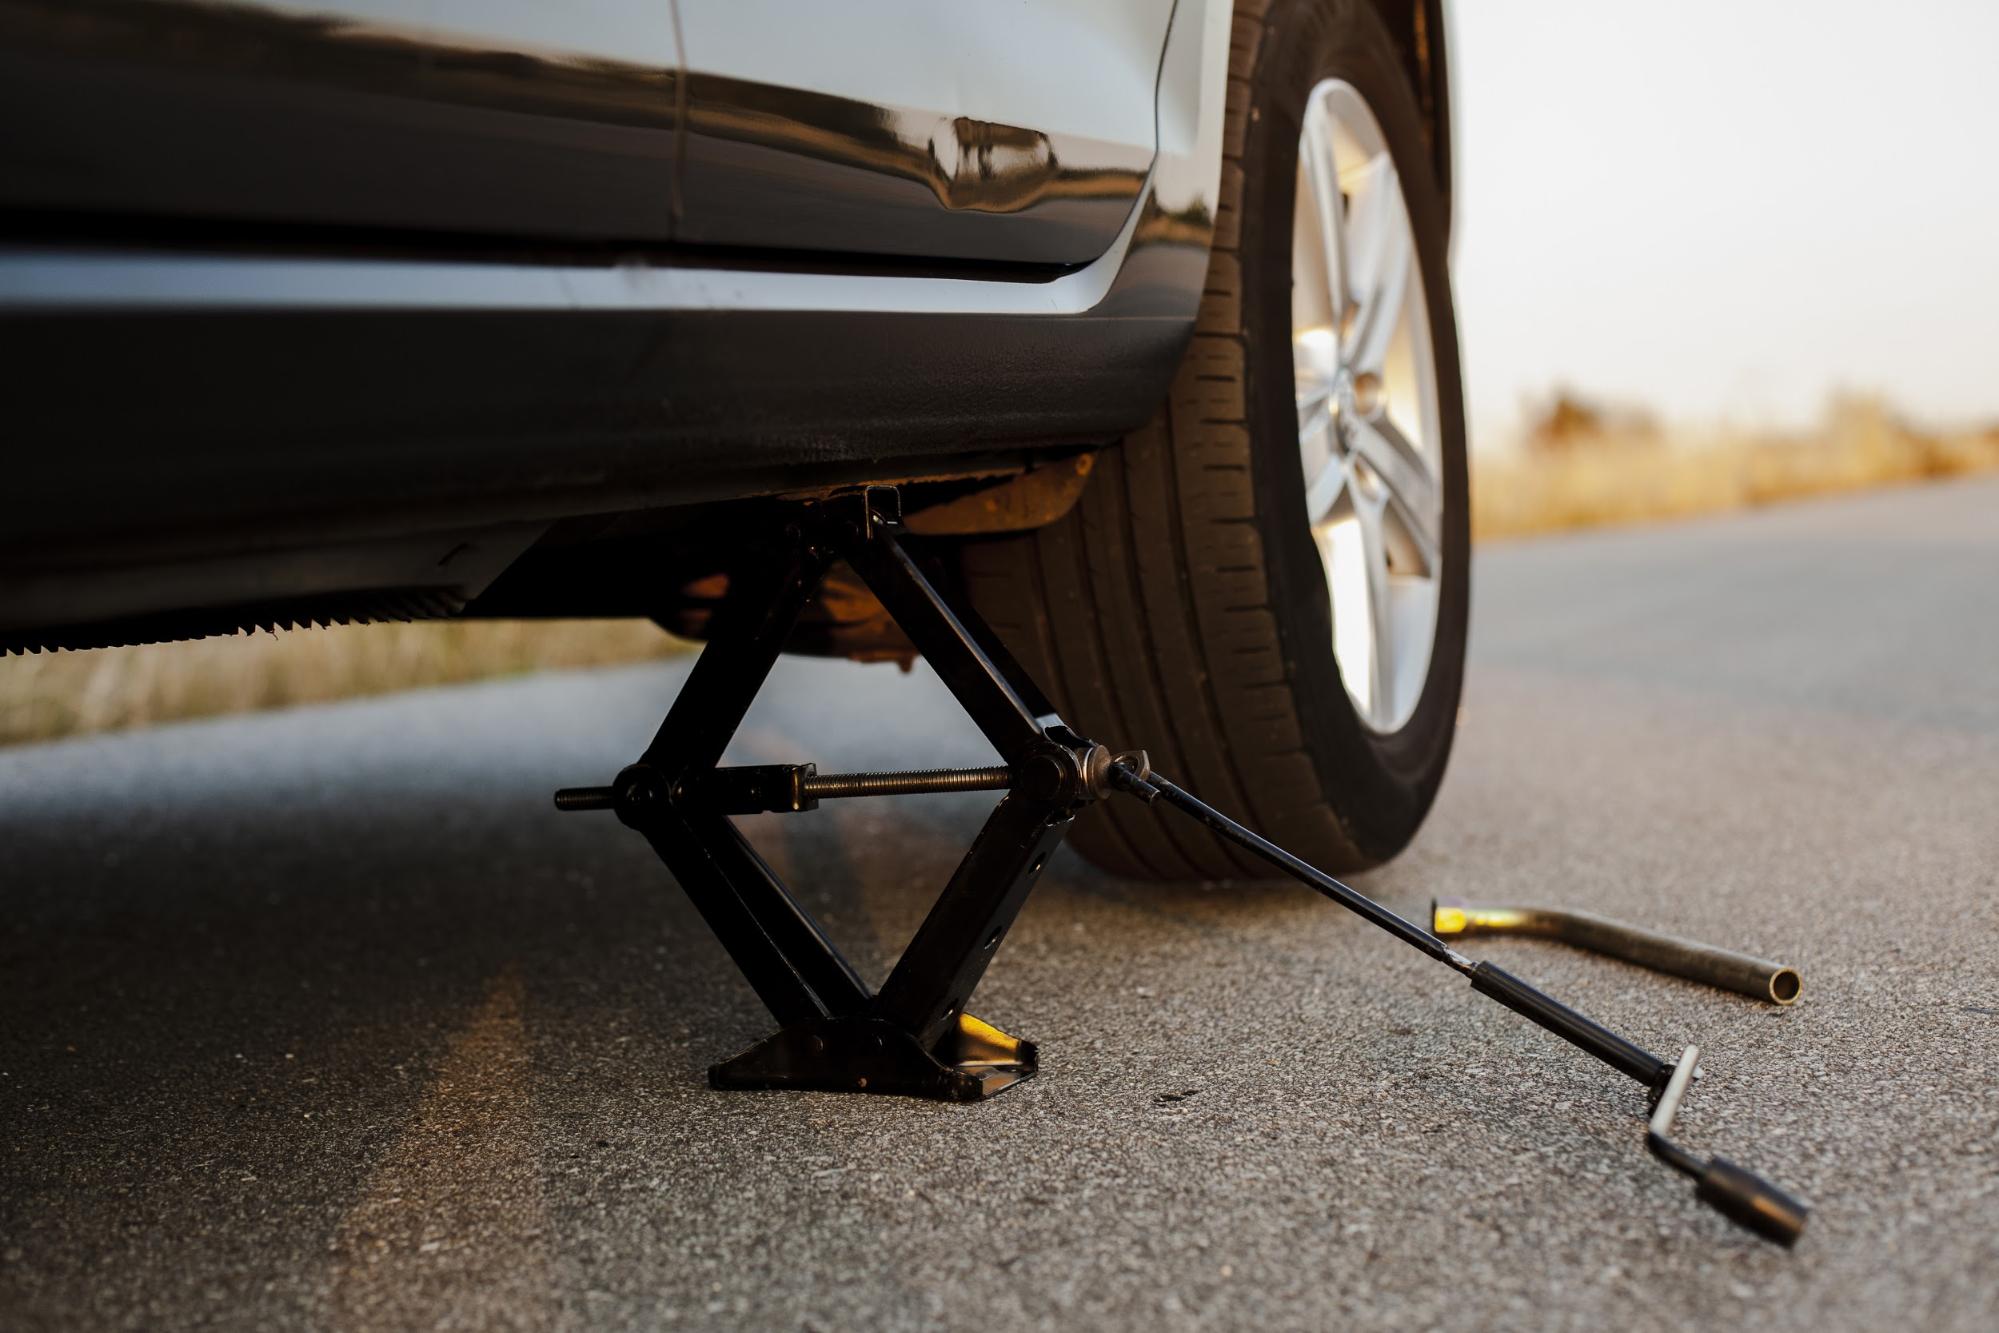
[{"x": 326, "y": 1018}]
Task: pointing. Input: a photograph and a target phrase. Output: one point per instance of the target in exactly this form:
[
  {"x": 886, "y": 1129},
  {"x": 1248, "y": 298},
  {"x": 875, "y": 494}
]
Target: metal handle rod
[
  {"x": 1152, "y": 786},
  {"x": 1626, "y": 1057},
  {"x": 1578, "y": 1030}
]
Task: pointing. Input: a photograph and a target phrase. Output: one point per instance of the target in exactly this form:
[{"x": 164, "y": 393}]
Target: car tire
[{"x": 1187, "y": 604}]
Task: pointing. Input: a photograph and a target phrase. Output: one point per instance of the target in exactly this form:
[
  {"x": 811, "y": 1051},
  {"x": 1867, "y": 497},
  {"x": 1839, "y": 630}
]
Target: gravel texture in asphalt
[{"x": 326, "y": 1018}]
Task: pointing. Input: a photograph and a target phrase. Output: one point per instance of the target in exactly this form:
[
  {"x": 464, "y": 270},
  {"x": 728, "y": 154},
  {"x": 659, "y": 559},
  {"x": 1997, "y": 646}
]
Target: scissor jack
[{"x": 913, "y": 1035}]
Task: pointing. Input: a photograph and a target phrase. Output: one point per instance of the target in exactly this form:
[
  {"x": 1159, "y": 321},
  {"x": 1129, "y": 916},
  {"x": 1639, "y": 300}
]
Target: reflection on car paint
[{"x": 758, "y": 155}]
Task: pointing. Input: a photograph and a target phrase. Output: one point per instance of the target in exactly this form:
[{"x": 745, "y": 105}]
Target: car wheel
[{"x": 1266, "y": 586}]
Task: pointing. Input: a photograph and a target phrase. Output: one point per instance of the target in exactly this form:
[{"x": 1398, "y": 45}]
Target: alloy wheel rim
[{"x": 1369, "y": 429}]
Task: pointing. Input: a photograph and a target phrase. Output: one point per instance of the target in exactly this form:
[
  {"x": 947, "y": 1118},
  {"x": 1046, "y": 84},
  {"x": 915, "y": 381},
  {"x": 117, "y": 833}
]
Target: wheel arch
[{"x": 1421, "y": 31}]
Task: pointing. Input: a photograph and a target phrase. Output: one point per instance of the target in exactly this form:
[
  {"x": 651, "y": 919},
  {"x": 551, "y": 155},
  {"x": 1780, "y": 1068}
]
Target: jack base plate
[{"x": 974, "y": 1061}]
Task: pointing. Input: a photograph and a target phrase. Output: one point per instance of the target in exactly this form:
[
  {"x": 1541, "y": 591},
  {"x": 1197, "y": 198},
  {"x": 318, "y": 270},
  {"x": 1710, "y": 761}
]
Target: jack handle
[
  {"x": 1625, "y": 1057},
  {"x": 1741, "y": 1196}
]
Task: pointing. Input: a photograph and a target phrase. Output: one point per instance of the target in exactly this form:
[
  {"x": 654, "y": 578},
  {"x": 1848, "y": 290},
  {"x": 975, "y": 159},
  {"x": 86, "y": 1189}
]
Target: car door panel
[
  {"x": 471, "y": 117},
  {"x": 1017, "y": 132}
]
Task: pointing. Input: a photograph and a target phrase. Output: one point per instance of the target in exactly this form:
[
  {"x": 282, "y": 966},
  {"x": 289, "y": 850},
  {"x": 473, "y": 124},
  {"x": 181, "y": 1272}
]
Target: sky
[{"x": 1727, "y": 211}]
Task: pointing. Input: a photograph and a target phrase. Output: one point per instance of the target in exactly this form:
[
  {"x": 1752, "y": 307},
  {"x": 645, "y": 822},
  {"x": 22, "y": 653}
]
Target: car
[{"x": 364, "y": 309}]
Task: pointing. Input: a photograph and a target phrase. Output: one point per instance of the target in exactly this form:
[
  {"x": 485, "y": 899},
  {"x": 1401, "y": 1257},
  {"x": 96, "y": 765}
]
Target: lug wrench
[{"x": 1744, "y": 1198}]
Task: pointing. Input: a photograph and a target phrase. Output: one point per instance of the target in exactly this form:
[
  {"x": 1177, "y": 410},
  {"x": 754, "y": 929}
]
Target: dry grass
[
  {"x": 1584, "y": 469},
  {"x": 1580, "y": 467},
  {"x": 47, "y": 695}
]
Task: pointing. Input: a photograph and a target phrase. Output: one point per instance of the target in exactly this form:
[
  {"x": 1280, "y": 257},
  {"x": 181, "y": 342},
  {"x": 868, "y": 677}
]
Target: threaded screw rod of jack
[
  {"x": 909, "y": 782},
  {"x": 814, "y": 786}
]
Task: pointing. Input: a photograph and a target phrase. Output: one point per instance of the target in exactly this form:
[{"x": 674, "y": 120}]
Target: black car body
[{"x": 330, "y": 312}]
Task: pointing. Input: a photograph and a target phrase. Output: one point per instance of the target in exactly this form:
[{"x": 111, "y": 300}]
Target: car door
[
  {"x": 413, "y": 122},
  {"x": 1016, "y": 131}
]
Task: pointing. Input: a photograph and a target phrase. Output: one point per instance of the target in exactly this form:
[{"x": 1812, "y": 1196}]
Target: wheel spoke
[
  {"x": 1380, "y": 248},
  {"x": 1380, "y": 611},
  {"x": 1325, "y": 488},
  {"x": 1328, "y": 211},
  {"x": 1313, "y": 365},
  {"x": 1315, "y": 413},
  {"x": 1311, "y": 379},
  {"x": 1406, "y": 478},
  {"x": 1315, "y": 354}
]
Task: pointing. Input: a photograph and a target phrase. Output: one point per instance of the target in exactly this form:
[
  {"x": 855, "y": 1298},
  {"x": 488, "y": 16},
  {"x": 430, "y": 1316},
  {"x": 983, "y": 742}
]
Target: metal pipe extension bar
[{"x": 1758, "y": 978}]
